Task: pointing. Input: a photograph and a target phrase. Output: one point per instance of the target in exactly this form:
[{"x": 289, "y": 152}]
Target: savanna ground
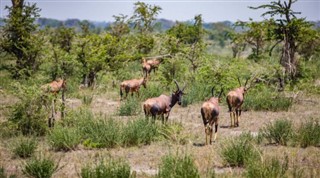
[{"x": 145, "y": 159}]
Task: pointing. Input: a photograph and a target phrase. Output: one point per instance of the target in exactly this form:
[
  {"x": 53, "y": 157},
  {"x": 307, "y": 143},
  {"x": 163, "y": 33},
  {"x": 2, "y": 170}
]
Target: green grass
[
  {"x": 130, "y": 106},
  {"x": 25, "y": 147},
  {"x": 63, "y": 138},
  {"x": 308, "y": 134},
  {"x": 40, "y": 167},
  {"x": 278, "y": 132}
]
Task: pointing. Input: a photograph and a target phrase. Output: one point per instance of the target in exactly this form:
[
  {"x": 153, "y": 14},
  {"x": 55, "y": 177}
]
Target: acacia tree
[
  {"x": 288, "y": 28},
  {"x": 19, "y": 37}
]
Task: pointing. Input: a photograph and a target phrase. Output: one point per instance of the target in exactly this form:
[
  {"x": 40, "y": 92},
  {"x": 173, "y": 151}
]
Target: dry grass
[{"x": 144, "y": 160}]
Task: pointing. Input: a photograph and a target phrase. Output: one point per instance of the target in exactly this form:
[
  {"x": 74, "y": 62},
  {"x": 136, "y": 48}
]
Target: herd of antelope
[{"x": 163, "y": 104}]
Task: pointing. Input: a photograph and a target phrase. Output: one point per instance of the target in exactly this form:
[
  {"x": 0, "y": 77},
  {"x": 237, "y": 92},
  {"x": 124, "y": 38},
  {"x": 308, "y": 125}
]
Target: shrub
[
  {"x": 129, "y": 107},
  {"x": 240, "y": 151},
  {"x": 41, "y": 167},
  {"x": 152, "y": 90},
  {"x": 139, "y": 132},
  {"x": 308, "y": 134},
  {"x": 267, "y": 168},
  {"x": 111, "y": 169},
  {"x": 198, "y": 92},
  {"x": 63, "y": 138},
  {"x": 278, "y": 132},
  {"x": 178, "y": 166},
  {"x": 25, "y": 147}
]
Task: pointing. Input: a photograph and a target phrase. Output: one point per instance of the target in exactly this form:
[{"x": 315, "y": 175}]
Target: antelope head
[{"x": 177, "y": 95}]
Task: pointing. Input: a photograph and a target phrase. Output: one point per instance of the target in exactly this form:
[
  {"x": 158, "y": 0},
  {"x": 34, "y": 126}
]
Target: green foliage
[
  {"x": 63, "y": 138},
  {"x": 25, "y": 147},
  {"x": 152, "y": 90},
  {"x": 279, "y": 132},
  {"x": 263, "y": 98},
  {"x": 308, "y": 134},
  {"x": 110, "y": 169},
  {"x": 198, "y": 92},
  {"x": 178, "y": 166},
  {"x": 265, "y": 168},
  {"x": 40, "y": 167},
  {"x": 240, "y": 151},
  {"x": 172, "y": 132},
  {"x": 130, "y": 106}
]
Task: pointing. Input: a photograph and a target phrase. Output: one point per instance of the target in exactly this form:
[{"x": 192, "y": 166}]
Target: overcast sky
[{"x": 181, "y": 10}]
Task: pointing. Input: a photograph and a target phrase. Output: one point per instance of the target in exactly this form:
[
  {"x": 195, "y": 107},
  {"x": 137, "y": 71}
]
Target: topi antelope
[
  {"x": 152, "y": 63},
  {"x": 210, "y": 115},
  {"x": 235, "y": 100},
  {"x": 163, "y": 104},
  {"x": 54, "y": 86},
  {"x": 132, "y": 86}
]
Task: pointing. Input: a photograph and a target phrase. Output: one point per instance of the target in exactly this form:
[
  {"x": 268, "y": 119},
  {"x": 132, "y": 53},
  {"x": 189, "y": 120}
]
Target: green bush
[
  {"x": 110, "y": 169},
  {"x": 308, "y": 134},
  {"x": 267, "y": 168},
  {"x": 240, "y": 151},
  {"x": 152, "y": 90},
  {"x": 263, "y": 99},
  {"x": 177, "y": 166},
  {"x": 63, "y": 138},
  {"x": 198, "y": 92},
  {"x": 25, "y": 147},
  {"x": 41, "y": 167},
  {"x": 279, "y": 132},
  {"x": 139, "y": 132},
  {"x": 130, "y": 106}
]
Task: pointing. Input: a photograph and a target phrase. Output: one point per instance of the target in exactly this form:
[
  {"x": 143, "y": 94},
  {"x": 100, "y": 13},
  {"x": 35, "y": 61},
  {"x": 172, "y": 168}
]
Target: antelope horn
[
  {"x": 246, "y": 82},
  {"x": 239, "y": 81},
  {"x": 220, "y": 93},
  {"x": 176, "y": 84},
  {"x": 212, "y": 91}
]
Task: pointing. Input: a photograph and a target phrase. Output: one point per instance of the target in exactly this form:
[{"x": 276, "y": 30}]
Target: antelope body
[
  {"x": 210, "y": 115},
  {"x": 163, "y": 104},
  {"x": 152, "y": 63},
  {"x": 54, "y": 86},
  {"x": 132, "y": 86}
]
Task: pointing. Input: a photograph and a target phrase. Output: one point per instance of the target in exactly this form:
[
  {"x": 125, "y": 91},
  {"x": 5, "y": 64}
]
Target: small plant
[
  {"x": 41, "y": 167},
  {"x": 25, "y": 147},
  {"x": 240, "y": 151},
  {"x": 64, "y": 139},
  {"x": 178, "y": 166},
  {"x": 308, "y": 134},
  {"x": 266, "y": 168},
  {"x": 110, "y": 169},
  {"x": 87, "y": 99},
  {"x": 172, "y": 132},
  {"x": 129, "y": 107},
  {"x": 278, "y": 132}
]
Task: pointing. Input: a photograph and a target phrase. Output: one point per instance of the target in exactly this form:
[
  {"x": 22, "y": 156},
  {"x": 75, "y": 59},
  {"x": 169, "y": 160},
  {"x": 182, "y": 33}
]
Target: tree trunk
[{"x": 288, "y": 60}]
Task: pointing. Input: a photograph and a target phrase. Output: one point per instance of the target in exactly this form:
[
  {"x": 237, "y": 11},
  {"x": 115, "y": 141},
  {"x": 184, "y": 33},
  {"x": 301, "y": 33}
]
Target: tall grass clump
[
  {"x": 110, "y": 169},
  {"x": 308, "y": 134},
  {"x": 40, "y": 167},
  {"x": 139, "y": 132},
  {"x": 198, "y": 92},
  {"x": 63, "y": 138},
  {"x": 240, "y": 151},
  {"x": 279, "y": 132},
  {"x": 152, "y": 90},
  {"x": 130, "y": 106},
  {"x": 25, "y": 147},
  {"x": 263, "y": 99},
  {"x": 267, "y": 168},
  {"x": 178, "y": 166}
]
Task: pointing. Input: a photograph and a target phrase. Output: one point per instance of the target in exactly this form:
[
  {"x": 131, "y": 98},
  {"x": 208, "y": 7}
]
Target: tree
[
  {"x": 19, "y": 37},
  {"x": 288, "y": 28},
  {"x": 121, "y": 26}
]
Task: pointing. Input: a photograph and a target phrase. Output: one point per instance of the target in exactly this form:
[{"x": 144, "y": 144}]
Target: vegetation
[
  {"x": 279, "y": 132},
  {"x": 25, "y": 147},
  {"x": 40, "y": 167}
]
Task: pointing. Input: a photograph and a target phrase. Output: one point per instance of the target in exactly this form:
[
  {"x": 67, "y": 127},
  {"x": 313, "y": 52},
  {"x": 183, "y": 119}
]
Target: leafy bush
[
  {"x": 41, "y": 167},
  {"x": 129, "y": 107},
  {"x": 110, "y": 169},
  {"x": 139, "y": 132},
  {"x": 266, "y": 168},
  {"x": 263, "y": 99},
  {"x": 178, "y": 166},
  {"x": 308, "y": 134},
  {"x": 239, "y": 151},
  {"x": 279, "y": 132},
  {"x": 25, "y": 147},
  {"x": 63, "y": 138}
]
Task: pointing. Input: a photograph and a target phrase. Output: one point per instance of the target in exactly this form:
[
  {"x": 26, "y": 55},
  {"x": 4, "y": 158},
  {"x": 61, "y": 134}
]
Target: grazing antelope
[
  {"x": 132, "y": 86},
  {"x": 163, "y": 104},
  {"x": 210, "y": 115},
  {"x": 152, "y": 63},
  {"x": 235, "y": 100}
]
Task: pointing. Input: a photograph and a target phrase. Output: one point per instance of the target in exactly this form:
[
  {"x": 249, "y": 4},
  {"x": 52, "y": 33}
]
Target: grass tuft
[
  {"x": 25, "y": 147},
  {"x": 41, "y": 167},
  {"x": 279, "y": 132}
]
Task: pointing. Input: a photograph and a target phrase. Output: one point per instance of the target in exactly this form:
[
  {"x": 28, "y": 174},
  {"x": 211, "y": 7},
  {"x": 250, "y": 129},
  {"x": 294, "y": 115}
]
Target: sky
[{"x": 176, "y": 10}]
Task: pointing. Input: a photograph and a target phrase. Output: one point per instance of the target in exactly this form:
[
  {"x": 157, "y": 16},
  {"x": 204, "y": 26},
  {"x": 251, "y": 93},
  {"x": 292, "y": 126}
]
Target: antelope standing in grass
[
  {"x": 132, "y": 86},
  {"x": 163, "y": 104},
  {"x": 210, "y": 115},
  {"x": 54, "y": 88},
  {"x": 235, "y": 100},
  {"x": 152, "y": 63}
]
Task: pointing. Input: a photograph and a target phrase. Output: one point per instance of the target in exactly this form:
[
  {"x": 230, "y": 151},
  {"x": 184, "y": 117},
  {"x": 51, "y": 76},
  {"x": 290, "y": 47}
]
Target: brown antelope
[
  {"x": 235, "y": 100},
  {"x": 163, "y": 104},
  {"x": 210, "y": 115},
  {"x": 132, "y": 86},
  {"x": 152, "y": 63}
]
